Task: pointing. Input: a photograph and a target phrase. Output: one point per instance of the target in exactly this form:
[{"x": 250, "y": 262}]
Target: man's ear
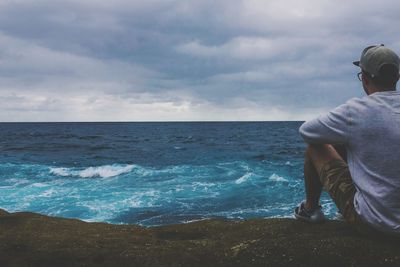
[{"x": 366, "y": 79}]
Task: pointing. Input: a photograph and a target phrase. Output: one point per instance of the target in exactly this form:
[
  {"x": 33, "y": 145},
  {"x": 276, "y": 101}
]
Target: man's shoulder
[
  {"x": 356, "y": 103},
  {"x": 349, "y": 104},
  {"x": 370, "y": 100},
  {"x": 352, "y": 108}
]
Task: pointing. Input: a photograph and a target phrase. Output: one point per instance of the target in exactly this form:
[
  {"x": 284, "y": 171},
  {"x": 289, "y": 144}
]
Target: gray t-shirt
[{"x": 370, "y": 129}]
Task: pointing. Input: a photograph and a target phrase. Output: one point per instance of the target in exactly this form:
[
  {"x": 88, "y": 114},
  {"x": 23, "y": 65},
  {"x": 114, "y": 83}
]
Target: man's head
[{"x": 380, "y": 69}]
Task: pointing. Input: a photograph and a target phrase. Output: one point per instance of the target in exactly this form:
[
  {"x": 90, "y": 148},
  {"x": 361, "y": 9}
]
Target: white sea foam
[
  {"x": 105, "y": 171},
  {"x": 60, "y": 171},
  {"x": 288, "y": 163},
  {"x": 244, "y": 178},
  {"x": 48, "y": 193},
  {"x": 38, "y": 185},
  {"x": 202, "y": 184},
  {"x": 276, "y": 178},
  {"x": 16, "y": 181}
]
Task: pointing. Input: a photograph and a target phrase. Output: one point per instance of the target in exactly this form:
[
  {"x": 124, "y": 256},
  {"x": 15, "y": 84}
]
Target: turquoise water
[{"x": 153, "y": 173}]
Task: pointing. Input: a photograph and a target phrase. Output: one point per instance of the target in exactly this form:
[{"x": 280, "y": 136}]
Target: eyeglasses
[{"x": 359, "y": 75}]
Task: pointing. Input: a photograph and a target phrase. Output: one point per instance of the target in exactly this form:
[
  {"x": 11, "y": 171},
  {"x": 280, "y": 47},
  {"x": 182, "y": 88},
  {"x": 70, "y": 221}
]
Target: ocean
[{"x": 153, "y": 173}]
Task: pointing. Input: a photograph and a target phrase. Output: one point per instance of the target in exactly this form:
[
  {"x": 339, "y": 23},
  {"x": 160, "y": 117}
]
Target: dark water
[{"x": 153, "y": 173}]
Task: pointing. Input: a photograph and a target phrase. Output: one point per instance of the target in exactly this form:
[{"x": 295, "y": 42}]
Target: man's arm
[{"x": 330, "y": 128}]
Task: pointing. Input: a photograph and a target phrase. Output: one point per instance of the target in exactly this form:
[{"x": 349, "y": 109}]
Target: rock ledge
[{"x": 28, "y": 239}]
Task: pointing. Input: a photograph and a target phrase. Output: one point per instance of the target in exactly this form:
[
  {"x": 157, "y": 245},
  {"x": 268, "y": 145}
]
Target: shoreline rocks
[{"x": 30, "y": 239}]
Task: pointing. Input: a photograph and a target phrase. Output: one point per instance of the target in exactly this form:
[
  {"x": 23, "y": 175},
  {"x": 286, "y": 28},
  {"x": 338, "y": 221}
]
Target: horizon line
[{"x": 150, "y": 121}]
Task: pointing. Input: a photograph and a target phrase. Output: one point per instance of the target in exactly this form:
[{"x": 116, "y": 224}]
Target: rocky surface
[{"x": 29, "y": 239}]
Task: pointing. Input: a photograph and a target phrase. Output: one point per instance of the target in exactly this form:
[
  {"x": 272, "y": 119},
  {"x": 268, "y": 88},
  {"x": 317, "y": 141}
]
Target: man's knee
[
  {"x": 320, "y": 150},
  {"x": 321, "y": 154}
]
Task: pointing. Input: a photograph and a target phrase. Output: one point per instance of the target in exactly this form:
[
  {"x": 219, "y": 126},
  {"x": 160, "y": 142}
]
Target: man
[{"x": 366, "y": 188}]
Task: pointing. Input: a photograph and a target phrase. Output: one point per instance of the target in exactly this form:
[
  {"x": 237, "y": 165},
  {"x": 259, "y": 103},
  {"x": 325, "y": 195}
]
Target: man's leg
[
  {"x": 338, "y": 182},
  {"x": 316, "y": 156}
]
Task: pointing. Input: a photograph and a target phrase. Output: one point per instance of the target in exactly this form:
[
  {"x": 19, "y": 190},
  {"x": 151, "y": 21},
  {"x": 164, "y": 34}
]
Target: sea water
[{"x": 153, "y": 173}]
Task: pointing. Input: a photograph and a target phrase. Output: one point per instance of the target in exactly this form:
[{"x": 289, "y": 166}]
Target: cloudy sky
[{"x": 179, "y": 60}]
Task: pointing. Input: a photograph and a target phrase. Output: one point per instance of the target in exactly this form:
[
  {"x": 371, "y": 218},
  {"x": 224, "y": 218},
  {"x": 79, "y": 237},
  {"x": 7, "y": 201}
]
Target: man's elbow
[
  {"x": 304, "y": 133},
  {"x": 308, "y": 135}
]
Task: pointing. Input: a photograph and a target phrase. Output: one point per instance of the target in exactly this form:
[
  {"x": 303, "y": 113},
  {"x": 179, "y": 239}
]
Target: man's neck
[{"x": 375, "y": 90}]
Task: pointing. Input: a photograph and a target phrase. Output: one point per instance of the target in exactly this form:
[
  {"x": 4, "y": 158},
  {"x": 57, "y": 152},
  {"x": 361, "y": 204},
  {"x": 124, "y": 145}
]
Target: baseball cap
[{"x": 374, "y": 57}]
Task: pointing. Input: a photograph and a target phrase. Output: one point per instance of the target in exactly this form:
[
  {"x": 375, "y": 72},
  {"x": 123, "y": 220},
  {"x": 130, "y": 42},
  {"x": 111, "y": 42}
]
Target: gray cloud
[{"x": 184, "y": 60}]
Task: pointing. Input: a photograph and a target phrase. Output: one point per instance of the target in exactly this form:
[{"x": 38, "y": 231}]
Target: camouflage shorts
[{"x": 336, "y": 179}]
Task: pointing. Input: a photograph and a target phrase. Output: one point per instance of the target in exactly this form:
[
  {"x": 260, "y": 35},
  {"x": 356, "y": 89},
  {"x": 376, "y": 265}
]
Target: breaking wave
[
  {"x": 105, "y": 171},
  {"x": 276, "y": 178}
]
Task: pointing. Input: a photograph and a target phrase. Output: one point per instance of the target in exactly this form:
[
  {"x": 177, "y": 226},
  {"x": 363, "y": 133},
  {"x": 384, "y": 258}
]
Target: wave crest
[
  {"x": 244, "y": 178},
  {"x": 105, "y": 171},
  {"x": 276, "y": 178}
]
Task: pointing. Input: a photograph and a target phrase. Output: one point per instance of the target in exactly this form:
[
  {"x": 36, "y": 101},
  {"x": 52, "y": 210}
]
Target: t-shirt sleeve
[{"x": 330, "y": 128}]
